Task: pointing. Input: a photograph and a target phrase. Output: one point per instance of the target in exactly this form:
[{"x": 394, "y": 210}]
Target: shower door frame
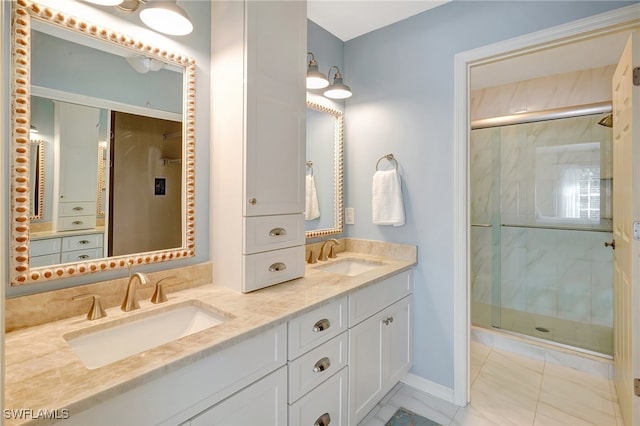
[{"x": 617, "y": 20}]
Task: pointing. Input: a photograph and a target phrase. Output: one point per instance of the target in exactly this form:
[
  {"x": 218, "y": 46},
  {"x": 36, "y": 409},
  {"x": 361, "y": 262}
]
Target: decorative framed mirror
[
  {"x": 324, "y": 176},
  {"x": 91, "y": 103}
]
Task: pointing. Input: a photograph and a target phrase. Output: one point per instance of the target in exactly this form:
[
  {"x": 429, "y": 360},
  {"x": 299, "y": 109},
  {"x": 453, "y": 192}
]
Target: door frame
[{"x": 597, "y": 25}]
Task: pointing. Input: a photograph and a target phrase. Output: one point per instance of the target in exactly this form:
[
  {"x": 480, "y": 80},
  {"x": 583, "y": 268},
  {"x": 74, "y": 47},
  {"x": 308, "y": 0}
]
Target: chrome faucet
[
  {"x": 130, "y": 301},
  {"x": 332, "y": 252}
]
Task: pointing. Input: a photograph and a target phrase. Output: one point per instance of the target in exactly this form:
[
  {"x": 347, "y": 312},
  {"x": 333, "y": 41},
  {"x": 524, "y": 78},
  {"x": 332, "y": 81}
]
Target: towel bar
[{"x": 388, "y": 157}]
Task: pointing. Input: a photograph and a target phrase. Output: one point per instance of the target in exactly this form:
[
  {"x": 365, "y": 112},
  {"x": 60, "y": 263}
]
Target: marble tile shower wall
[
  {"x": 556, "y": 91},
  {"x": 557, "y": 273}
]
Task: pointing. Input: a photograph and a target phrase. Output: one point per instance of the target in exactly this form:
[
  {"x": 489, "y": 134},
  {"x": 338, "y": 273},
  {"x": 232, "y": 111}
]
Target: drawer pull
[
  {"x": 388, "y": 321},
  {"x": 83, "y": 256},
  {"x": 78, "y": 209},
  {"x": 321, "y": 325},
  {"x": 252, "y": 201},
  {"x": 277, "y": 232},
  {"x": 277, "y": 267},
  {"x": 76, "y": 222},
  {"x": 83, "y": 242},
  {"x": 322, "y": 365},
  {"x": 323, "y": 420}
]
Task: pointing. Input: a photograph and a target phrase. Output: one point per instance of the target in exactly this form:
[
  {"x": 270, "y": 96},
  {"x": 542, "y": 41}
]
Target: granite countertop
[{"x": 43, "y": 373}]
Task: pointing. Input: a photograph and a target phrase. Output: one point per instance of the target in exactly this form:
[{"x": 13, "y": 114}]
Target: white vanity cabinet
[
  {"x": 258, "y": 53},
  {"x": 380, "y": 343},
  {"x": 76, "y": 151},
  {"x": 318, "y": 372},
  {"x": 64, "y": 249},
  {"x": 247, "y": 380}
]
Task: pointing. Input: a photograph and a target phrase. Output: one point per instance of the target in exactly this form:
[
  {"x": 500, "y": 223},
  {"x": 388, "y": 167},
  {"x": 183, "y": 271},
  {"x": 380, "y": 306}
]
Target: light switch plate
[{"x": 349, "y": 214}]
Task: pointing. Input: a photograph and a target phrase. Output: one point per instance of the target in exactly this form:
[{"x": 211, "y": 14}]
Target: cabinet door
[
  {"x": 76, "y": 128},
  {"x": 379, "y": 355},
  {"x": 365, "y": 367},
  {"x": 276, "y": 107},
  {"x": 397, "y": 341},
  {"x": 264, "y": 403}
]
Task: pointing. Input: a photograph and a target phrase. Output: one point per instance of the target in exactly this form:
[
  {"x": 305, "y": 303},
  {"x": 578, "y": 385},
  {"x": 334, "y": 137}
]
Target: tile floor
[{"x": 508, "y": 388}]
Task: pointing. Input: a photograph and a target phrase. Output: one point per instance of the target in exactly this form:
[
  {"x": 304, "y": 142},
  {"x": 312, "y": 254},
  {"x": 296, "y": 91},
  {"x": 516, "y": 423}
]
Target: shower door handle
[{"x": 612, "y": 244}]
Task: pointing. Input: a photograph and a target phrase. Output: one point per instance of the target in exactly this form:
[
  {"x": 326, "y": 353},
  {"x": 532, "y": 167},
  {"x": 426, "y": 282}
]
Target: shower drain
[{"x": 542, "y": 329}]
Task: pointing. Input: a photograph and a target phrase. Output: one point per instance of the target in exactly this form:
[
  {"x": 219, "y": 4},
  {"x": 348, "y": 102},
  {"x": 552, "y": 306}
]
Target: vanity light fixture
[
  {"x": 337, "y": 90},
  {"x": 164, "y": 16},
  {"x": 315, "y": 79}
]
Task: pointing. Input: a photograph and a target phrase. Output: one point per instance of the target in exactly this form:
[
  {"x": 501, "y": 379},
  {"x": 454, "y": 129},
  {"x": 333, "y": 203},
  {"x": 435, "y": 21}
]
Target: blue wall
[{"x": 402, "y": 79}]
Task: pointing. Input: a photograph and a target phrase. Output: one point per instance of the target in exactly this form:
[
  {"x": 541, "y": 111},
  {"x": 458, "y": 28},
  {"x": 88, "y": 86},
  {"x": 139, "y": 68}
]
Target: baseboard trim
[{"x": 429, "y": 387}]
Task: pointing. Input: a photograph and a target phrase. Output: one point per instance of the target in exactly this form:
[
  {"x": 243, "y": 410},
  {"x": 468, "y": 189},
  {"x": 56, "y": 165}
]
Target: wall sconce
[
  {"x": 164, "y": 16},
  {"x": 337, "y": 90},
  {"x": 315, "y": 79}
]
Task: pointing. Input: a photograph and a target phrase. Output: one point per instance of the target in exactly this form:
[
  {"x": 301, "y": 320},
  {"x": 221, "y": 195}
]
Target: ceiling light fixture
[
  {"x": 315, "y": 79},
  {"x": 337, "y": 90},
  {"x": 143, "y": 65},
  {"x": 163, "y": 16}
]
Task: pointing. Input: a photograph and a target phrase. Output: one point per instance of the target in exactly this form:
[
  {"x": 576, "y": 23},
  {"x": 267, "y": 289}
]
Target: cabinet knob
[
  {"x": 323, "y": 420},
  {"x": 322, "y": 365},
  {"x": 388, "y": 321},
  {"x": 321, "y": 325},
  {"x": 252, "y": 201},
  {"x": 278, "y": 266},
  {"x": 277, "y": 232}
]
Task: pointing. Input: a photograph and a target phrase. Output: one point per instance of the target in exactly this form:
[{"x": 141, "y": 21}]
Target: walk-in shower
[{"x": 540, "y": 217}]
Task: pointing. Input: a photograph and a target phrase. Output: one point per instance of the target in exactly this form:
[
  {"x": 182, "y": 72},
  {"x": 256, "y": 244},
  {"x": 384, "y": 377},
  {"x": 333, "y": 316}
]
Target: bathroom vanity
[{"x": 328, "y": 344}]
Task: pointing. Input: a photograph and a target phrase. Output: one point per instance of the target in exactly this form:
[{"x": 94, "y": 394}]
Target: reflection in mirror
[
  {"x": 80, "y": 77},
  {"x": 36, "y": 159},
  {"x": 324, "y": 179}
]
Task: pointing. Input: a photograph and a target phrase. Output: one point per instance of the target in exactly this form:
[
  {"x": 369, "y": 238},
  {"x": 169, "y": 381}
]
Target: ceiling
[{"x": 347, "y": 19}]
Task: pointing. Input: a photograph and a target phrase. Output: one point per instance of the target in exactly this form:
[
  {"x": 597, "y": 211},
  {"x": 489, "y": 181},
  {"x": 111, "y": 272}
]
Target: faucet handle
[
  {"x": 158, "y": 294},
  {"x": 332, "y": 252},
  {"x": 96, "y": 311},
  {"x": 311, "y": 258}
]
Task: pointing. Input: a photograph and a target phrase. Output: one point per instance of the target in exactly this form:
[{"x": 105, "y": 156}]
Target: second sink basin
[
  {"x": 350, "y": 266},
  {"x": 107, "y": 343}
]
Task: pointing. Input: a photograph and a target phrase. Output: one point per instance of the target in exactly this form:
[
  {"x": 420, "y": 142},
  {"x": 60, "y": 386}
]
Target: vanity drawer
[
  {"x": 46, "y": 246},
  {"x": 70, "y": 223},
  {"x": 272, "y": 267},
  {"x": 316, "y": 327},
  {"x": 326, "y": 404},
  {"x": 264, "y": 233},
  {"x": 77, "y": 209},
  {"x": 46, "y": 260},
  {"x": 82, "y": 242},
  {"x": 317, "y": 365},
  {"x": 81, "y": 255},
  {"x": 369, "y": 300}
]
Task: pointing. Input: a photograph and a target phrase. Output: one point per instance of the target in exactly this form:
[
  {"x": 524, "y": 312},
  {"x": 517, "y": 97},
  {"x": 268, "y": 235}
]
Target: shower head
[{"x": 607, "y": 121}]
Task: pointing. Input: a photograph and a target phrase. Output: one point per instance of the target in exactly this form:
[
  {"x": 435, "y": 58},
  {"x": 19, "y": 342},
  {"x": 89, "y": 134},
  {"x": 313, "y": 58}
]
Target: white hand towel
[
  {"x": 386, "y": 200},
  {"x": 312, "y": 208}
]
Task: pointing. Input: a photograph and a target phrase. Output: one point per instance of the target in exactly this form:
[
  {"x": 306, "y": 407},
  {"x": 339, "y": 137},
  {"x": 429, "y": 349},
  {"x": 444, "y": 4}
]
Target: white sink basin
[
  {"x": 350, "y": 266},
  {"x": 110, "y": 342}
]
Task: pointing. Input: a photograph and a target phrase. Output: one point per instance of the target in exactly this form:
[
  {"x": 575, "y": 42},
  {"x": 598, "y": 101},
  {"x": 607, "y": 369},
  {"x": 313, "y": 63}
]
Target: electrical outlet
[{"x": 349, "y": 218}]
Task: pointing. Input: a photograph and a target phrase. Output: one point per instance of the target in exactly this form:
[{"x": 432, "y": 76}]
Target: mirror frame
[
  {"x": 38, "y": 146},
  {"x": 337, "y": 170},
  {"x": 22, "y": 13}
]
